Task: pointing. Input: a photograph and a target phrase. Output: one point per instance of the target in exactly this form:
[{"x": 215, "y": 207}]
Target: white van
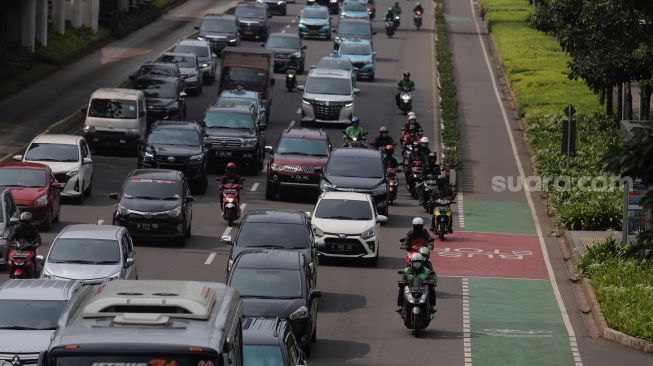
[{"x": 115, "y": 118}]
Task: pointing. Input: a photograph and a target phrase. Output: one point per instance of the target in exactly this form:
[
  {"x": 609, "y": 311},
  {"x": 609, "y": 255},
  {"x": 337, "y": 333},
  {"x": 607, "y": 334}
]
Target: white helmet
[
  {"x": 418, "y": 221},
  {"x": 412, "y": 115},
  {"x": 416, "y": 257},
  {"x": 424, "y": 140}
]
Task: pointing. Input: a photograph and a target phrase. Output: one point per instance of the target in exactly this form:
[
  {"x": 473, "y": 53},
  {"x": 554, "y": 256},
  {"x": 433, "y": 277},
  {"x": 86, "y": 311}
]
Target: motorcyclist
[
  {"x": 396, "y": 8},
  {"x": 417, "y": 269},
  {"x": 354, "y": 129},
  {"x": 26, "y": 231},
  {"x": 389, "y": 15},
  {"x": 418, "y": 236},
  {"x": 431, "y": 168},
  {"x": 383, "y": 139},
  {"x": 410, "y": 136},
  {"x": 418, "y": 7},
  {"x": 404, "y": 84},
  {"x": 389, "y": 160},
  {"x": 230, "y": 175},
  {"x": 426, "y": 253},
  {"x": 422, "y": 151},
  {"x": 412, "y": 121}
]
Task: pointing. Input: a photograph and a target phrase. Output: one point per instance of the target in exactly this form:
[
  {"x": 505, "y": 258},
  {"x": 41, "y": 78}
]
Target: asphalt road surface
[{"x": 496, "y": 305}]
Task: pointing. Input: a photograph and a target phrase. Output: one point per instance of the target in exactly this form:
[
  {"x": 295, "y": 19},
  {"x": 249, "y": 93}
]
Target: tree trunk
[
  {"x": 620, "y": 100},
  {"x": 629, "y": 102},
  {"x": 646, "y": 111},
  {"x": 602, "y": 96},
  {"x": 609, "y": 102}
]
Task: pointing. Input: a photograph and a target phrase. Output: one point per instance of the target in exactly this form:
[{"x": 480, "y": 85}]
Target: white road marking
[
  {"x": 210, "y": 259},
  {"x": 265, "y": 167},
  {"x": 461, "y": 212},
  {"x": 437, "y": 133},
  {"x": 226, "y": 231},
  {"x": 299, "y": 110},
  {"x": 538, "y": 228},
  {"x": 254, "y": 187},
  {"x": 287, "y": 26},
  {"x": 283, "y": 31},
  {"x": 293, "y": 21},
  {"x": 467, "y": 343},
  {"x": 242, "y": 207}
]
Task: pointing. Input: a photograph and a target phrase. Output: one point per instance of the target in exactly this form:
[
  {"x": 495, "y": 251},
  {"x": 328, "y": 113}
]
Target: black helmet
[
  {"x": 432, "y": 158},
  {"x": 25, "y": 218},
  {"x": 354, "y": 120},
  {"x": 406, "y": 74}
]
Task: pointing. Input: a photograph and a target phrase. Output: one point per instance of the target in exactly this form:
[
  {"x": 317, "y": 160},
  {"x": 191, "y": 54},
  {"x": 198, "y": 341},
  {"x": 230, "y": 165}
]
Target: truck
[{"x": 251, "y": 68}]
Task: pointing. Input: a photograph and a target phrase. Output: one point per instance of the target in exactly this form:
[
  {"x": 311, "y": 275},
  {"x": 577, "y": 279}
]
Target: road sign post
[{"x": 569, "y": 133}]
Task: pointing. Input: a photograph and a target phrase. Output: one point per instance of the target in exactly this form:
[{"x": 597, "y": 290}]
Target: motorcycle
[
  {"x": 442, "y": 216},
  {"x": 393, "y": 184},
  {"x": 21, "y": 260},
  {"x": 230, "y": 198},
  {"x": 417, "y": 19},
  {"x": 397, "y": 21},
  {"x": 412, "y": 249},
  {"x": 414, "y": 177},
  {"x": 415, "y": 312},
  {"x": 390, "y": 28},
  {"x": 291, "y": 79},
  {"x": 354, "y": 141},
  {"x": 431, "y": 192},
  {"x": 405, "y": 100},
  {"x": 409, "y": 138},
  {"x": 371, "y": 10}
]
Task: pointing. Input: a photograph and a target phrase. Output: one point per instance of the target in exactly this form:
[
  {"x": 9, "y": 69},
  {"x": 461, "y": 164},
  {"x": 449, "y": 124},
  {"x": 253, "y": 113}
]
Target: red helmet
[
  {"x": 231, "y": 167},
  {"x": 389, "y": 149}
]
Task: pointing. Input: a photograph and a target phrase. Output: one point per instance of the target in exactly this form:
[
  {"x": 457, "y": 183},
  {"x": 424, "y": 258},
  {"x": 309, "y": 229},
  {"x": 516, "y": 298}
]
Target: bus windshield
[{"x": 151, "y": 359}]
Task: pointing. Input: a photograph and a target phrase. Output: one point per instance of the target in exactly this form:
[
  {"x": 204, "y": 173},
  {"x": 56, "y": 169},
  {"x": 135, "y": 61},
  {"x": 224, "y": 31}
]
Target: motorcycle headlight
[
  {"x": 280, "y": 2},
  {"x": 176, "y": 212},
  {"x": 300, "y": 313},
  {"x": 41, "y": 201},
  {"x": 248, "y": 142},
  {"x": 72, "y": 172},
  {"x": 122, "y": 210},
  {"x": 379, "y": 190},
  {"x": 230, "y": 199},
  {"x": 204, "y": 64},
  {"x": 318, "y": 232},
  {"x": 149, "y": 155},
  {"x": 369, "y": 233},
  {"x": 333, "y": 1},
  {"x": 197, "y": 157},
  {"x": 405, "y": 97},
  {"x": 325, "y": 186}
]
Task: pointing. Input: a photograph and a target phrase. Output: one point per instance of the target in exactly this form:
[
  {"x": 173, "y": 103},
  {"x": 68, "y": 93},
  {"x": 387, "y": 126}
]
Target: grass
[
  {"x": 162, "y": 3},
  {"x": 62, "y": 48},
  {"x": 623, "y": 287}
]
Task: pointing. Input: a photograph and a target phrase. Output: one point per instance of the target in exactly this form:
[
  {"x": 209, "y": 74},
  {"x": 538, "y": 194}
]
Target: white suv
[
  {"x": 328, "y": 97},
  {"x": 348, "y": 224}
]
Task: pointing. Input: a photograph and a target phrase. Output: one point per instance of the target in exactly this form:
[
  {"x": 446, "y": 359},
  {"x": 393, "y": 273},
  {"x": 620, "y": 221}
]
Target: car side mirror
[
  {"x": 300, "y": 87},
  {"x": 402, "y": 240},
  {"x": 333, "y": 30},
  {"x": 190, "y": 199},
  {"x": 262, "y": 44},
  {"x": 374, "y": 53},
  {"x": 400, "y": 272},
  {"x": 357, "y": 91},
  {"x": 83, "y": 110},
  {"x": 14, "y": 221},
  {"x": 304, "y": 47},
  {"x": 87, "y": 161},
  {"x": 268, "y": 149},
  {"x": 316, "y": 294},
  {"x": 18, "y": 157},
  {"x": 381, "y": 219},
  {"x": 313, "y": 67},
  {"x": 226, "y": 240},
  {"x": 183, "y": 94},
  {"x": 129, "y": 262},
  {"x": 113, "y": 196}
]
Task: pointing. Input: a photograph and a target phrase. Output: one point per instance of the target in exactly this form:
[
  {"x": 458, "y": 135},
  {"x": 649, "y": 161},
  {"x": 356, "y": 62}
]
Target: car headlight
[
  {"x": 349, "y": 104},
  {"x": 369, "y": 233},
  {"x": 132, "y": 131},
  {"x": 89, "y": 129},
  {"x": 300, "y": 313},
  {"x": 248, "y": 142},
  {"x": 333, "y": 1},
  {"x": 41, "y": 201},
  {"x": 197, "y": 157},
  {"x": 233, "y": 40},
  {"x": 369, "y": 62},
  {"x": 204, "y": 65},
  {"x": 326, "y": 186},
  {"x": 276, "y": 167},
  {"x": 280, "y": 2},
  {"x": 379, "y": 190},
  {"x": 297, "y": 54},
  {"x": 201, "y": 38},
  {"x": 318, "y": 232},
  {"x": 149, "y": 155},
  {"x": 72, "y": 172},
  {"x": 122, "y": 210},
  {"x": 175, "y": 212},
  {"x": 306, "y": 101}
]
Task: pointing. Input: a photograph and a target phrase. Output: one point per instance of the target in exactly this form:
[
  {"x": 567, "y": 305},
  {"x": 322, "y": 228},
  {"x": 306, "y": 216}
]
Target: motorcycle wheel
[
  {"x": 230, "y": 223},
  {"x": 415, "y": 328},
  {"x": 441, "y": 230},
  {"x": 290, "y": 89}
]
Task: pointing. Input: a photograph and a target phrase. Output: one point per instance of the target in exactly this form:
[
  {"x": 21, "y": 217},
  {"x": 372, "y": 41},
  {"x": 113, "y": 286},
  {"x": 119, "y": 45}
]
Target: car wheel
[
  {"x": 373, "y": 262},
  {"x": 314, "y": 335},
  {"x": 56, "y": 218},
  {"x": 303, "y": 68},
  {"x": 271, "y": 191},
  {"x": 372, "y": 77},
  {"x": 189, "y": 231},
  {"x": 80, "y": 199},
  {"x": 328, "y": 37},
  {"x": 89, "y": 189}
]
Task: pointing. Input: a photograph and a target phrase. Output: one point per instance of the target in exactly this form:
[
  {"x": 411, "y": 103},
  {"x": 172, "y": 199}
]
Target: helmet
[
  {"x": 432, "y": 158},
  {"x": 355, "y": 120},
  {"x": 416, "y": 257},
  {"x": 383, "y": 130},
  {"x": 425, "y": 252},
  {"x": 418, "y": 4},
  {"x": 389, "y": 150},
  {"x": 411, "y": 116},
  {"x": 406, "y": 74},
  {"x": 396, "y": 3},
  {"x": 424, "y": 140},
  {"x": 25, "y": 218},
  {"x": 231, "y": 167},
  {"x": 390, "y": 8},
  {"x": 418, "y": 221}
]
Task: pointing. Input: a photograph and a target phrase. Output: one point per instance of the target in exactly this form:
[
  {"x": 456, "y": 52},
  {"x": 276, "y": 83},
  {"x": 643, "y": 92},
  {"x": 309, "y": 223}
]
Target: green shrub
[
  {"x": 62, "y": 48},
  {"x": 14, "y": 59},
  {"x": 125, "y": 23},
  {"x": 162, "y": 3}
]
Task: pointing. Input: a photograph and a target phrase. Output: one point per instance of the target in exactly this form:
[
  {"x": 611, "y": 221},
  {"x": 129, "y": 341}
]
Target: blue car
[
  {"x": 315, "y": 22},
  {"x": 354, "y": 9},
  {"x": 361, "y": 54}
]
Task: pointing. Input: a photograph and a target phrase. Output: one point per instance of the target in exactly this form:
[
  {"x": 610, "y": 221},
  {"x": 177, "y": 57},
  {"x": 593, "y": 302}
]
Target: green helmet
[{"x": 425, "y": 252}]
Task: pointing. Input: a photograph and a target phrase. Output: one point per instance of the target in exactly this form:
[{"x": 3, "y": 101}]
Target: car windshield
[
  {"x": 261, "y": 234},
  {"x": 299, "y": 146},
  {"x": 30, "y": 314},
  {"x": 182, "y": 61},
  {"x": 263, "y": 282},
  {"x": 315, "y": 14},
  {"x": 112, "y": 108},
  {"x": 84, "y": 251},
  {"x": 257, "y": 355},
  {"x": 109, "y": 357},
  {"x": 234, "y": 102},
  {"x": 355, "y": 49},
  {"x": 283, "y": 42},
  {"x": 344, "y": 210},
  {"x": 199, "y": 50},
  {"x": 229, "y": 120},
  {"x": 347, "y": 166},
  {"x": 153, "y": 88},
  {"x": 16, "y": 177},
  {"x": 157, "y": 70},
  {"x": 173, "y": 136},
  {"x": 218, "y": 26},
  {"x": 52, "y": 152},
  {"x": 326, "y": 85},
  {"x": 355, "y": 28},
  {"x": 250, "y": 12},
  {"x": 244, "y": 76},
  {"x": 354, "y": 7},
  {"x": 334, "y": 64},
  {"x": 147, "y": 188}
]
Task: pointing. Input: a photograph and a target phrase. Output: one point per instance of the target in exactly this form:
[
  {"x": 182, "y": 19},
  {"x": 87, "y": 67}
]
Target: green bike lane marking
[
  {"x": 498, "y": 217},
  {"x": 516, "y": 322}
]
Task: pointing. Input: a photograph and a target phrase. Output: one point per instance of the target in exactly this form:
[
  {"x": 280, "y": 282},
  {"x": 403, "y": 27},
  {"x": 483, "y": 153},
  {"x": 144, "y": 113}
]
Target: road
[{"x": 496, "y": 304}]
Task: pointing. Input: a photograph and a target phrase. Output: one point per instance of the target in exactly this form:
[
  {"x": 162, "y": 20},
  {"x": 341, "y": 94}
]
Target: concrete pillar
[
  {"x": 59, "y": 16},
  {"x": 28, "y": 26},
  {"x": 95, "y": 14},
  {"x": 42, "y": 22},
  {"x": 76, "y": 14}
]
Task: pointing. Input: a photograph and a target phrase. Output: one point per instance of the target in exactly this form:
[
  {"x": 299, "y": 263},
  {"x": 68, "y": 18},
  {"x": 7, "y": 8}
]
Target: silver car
[
  {"x": 206, "y": 57},
  {"x": 91, "y": 252},
  {"x": 328, "y": 97}
]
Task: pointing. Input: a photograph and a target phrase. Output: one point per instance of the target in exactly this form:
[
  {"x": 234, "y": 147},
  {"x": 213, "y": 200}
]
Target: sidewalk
[
  {"x": 31, "y": 110},
  {"x": 579, "y": 241}
]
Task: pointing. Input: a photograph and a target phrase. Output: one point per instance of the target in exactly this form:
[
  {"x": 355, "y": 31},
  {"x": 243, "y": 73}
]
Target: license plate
[
  {"x": 343, "y": 247},
  {"x": 147, "y": 226},
  {"x": 300, "y": 177},
  {"x": 123, "y": 141},
  {"x": 223, "y": 153},
  {"x": 314, "y": 32},
  {"x": 248, "y": 33},
  {"x": 19, "y": 255}
]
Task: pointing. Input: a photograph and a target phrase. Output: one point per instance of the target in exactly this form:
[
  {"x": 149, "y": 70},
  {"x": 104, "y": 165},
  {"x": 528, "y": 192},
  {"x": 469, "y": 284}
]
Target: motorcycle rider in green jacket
[
  {"x": 417, "y": 269},
  {"x": 354, "y": 130}
]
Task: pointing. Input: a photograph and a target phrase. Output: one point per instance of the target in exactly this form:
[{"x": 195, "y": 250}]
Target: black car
[
  {"x": 275, "y": 229},
  {"x": 155, "y": 203},
  {"x": 164, "y": 97},
  {"x": 220, "y": 30},
  {"x": 276, "y": 6},
  {"x": 271, "y": 340},
  {"x": 253, "y": 20},
  {"x": 8, "y": 220},
  {"x": 190, "y": 69},
  {"x": 284, "y": 45},
  {"x": 177, "y": 145},
  {"x": 157, "y": 69},
  {"x": 278, "y": 283},
  {"x": 357, "y": 170},
  {"x": 234, "y": 135}
]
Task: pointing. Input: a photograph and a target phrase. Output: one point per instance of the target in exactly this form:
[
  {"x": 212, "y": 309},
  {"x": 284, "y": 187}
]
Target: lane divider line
[
  {"x": 226, "y": 231},
  {"x": 461, "y": 210},
  {"x": 254, "y": 187},
  {"x": 299, "y": 110},
  {"x": 467, "y": 343},
  {"x": 556, "y": 291},
  {"x": 210, "y": 259}
]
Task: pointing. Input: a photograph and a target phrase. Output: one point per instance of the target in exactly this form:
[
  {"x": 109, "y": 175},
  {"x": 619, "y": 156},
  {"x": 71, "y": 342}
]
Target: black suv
[
  {"x": 8, "y": 220},
  {"x": 164, "y": 97},
  {"x": 234, "y": 134},
  {"x": 220, "y": 30},
  {"x": 357, "y": 170},
  {"x": 278, "y": 283},
  {"x": 177, "y": 145},
  {"x": 253, "y": 20},
  {"x": 275, "y": 229},
  {"x": 155, "y": 203},
  {"x": 270, "y": 339},
  {"x": 157, "y": 69},
  {"x": 284, "y": 45}
]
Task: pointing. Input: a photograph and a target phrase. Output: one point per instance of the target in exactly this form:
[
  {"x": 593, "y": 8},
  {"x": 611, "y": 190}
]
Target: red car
[
  {"x": 35, "y": 190},
  {"x": 297, "y": 161}
]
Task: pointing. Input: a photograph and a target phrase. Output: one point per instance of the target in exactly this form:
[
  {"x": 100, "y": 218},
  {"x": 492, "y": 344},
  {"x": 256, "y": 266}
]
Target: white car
[
  {"x": 349, "y": 225},
  {"x": 69, "y": 158}
]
